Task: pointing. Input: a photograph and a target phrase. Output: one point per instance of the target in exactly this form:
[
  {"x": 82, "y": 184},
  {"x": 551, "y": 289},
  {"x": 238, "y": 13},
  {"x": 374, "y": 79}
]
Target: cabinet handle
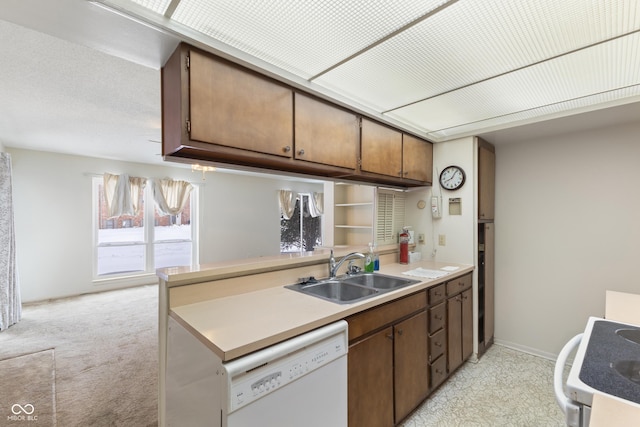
[
  {"x": 287, "y": 149},
  {"x": 438, "y": 317},
  {"x": 390, "y": 336},
  {"x": 399, "y": 173},
  {"x": 406, "y": 173},
  {"x": 438, "y": 344},
  {"x": 464, "y": 297},
  {"x": 399, "y": 331},
  {"x": 301, "y": 152}
]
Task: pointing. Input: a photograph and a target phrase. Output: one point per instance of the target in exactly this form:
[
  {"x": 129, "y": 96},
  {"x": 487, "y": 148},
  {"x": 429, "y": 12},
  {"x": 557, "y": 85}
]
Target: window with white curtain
[
  {"x": 300, "y": 222},
  {"x": 390, "y": 213},
  {"x": 142, "y": 240}
]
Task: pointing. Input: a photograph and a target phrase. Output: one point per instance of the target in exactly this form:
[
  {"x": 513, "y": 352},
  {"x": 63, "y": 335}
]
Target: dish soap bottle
[
  {"x": 368, "y": 261},
  {"x": 376, "y": 259}
]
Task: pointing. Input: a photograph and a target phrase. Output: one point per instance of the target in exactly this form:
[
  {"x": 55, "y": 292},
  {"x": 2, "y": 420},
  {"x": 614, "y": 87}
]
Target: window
[
  {"x": 126, "y": 244},
  {"x": 302, "y": 232},
  {"x": 389, "y": 216}
]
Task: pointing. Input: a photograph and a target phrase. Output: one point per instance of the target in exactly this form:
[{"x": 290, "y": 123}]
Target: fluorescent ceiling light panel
[
  {"x": 158, "y": 6},
  {"x": 474, "y": 40},
  {"x": 601, "y": 68},
  {"x": 443, "y": 67},
  {"x": 588, "y": 103},
  {"x": 304, "y": 37}
]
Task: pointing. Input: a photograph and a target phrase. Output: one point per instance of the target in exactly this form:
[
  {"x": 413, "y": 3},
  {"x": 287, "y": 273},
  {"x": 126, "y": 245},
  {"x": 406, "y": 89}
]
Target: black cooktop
[{"x": 612, "y": 361}]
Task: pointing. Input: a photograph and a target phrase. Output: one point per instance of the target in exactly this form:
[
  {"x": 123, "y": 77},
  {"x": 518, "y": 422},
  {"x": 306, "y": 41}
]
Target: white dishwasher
[{"x": 298, "y": 382}]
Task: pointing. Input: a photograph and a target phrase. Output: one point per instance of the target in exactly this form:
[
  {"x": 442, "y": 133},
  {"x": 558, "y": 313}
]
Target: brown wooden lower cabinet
[
  {"x": 410, "y": 368},
  {"x": 371, "y": 381},
  {"x": 399, "y": 352},
  {"x": 459, "y": 329}
]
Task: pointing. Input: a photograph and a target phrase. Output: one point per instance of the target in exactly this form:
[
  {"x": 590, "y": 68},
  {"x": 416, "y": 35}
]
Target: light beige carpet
[
  {"x": 27, "y": 391},
  {"x": 106, "y": 355}
]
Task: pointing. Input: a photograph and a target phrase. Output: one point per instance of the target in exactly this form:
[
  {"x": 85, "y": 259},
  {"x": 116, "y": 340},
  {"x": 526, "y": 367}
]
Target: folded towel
[{"x": 423, "y": 272}]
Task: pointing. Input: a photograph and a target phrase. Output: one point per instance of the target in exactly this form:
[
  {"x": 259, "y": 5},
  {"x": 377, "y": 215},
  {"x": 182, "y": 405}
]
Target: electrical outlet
[
  {"x": 421, "y": 238},
  {"x": 442, "y": 239}
]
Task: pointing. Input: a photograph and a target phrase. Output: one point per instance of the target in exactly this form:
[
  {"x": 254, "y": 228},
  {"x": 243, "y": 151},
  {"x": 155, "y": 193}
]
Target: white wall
[
  {"x": 567, "y": 229},
  {"x": 458, "y": 229},
  {"x": 53, "y": 208}
]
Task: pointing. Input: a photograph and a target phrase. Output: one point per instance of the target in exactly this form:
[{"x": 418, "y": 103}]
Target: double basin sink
[{"x": 352, "y": 288}]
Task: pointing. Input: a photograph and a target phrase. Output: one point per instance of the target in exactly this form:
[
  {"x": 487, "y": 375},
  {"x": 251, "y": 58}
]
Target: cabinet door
[
  {"x": 235, "y": 108},
  {"x": 370, "y": 383},
  {"x": 325, "y": 134},
  {"x": 411, "y": 365},
  {"x": 486, "y": 182},
  {"x": 489, "y": 247},
  {"x": 381, "y": 149},
  {"x": 417, "y": 159},
  {"x": 454, "y": 332},
  {"x": 459, "y": 329},
  {"x": 467, "y": 324}
]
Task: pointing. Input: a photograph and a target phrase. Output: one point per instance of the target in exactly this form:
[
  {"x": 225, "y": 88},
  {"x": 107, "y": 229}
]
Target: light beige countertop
[{"x": 235, "y": 325}]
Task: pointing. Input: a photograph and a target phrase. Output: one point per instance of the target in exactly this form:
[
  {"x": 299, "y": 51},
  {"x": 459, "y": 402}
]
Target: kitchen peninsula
[{"x": 236, "y": 308}]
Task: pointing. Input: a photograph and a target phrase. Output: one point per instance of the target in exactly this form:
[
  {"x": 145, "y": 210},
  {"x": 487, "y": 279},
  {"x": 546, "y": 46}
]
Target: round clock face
[{"x": 452, "y": 177}]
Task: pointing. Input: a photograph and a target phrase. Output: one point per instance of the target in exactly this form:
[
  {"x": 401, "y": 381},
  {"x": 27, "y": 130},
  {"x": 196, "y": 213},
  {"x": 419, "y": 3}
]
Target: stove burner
[
  {"x": 632, "y": 335},
  {"x": 630, "y": 369},
  {"x": 611, "y": 362}
]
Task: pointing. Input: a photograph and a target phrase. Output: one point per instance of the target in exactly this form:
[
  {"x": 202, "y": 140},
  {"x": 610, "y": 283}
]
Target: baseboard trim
[{"x": 529, "y": 350}]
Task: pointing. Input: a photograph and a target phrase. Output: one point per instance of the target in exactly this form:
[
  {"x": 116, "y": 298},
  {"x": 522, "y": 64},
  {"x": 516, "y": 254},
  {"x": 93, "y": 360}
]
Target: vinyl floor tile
[{"x": 504, "y": 388}]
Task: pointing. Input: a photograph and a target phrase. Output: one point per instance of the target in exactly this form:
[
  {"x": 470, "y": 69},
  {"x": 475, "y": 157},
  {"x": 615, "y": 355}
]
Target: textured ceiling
[
  {"x": 444, "y": 68},
  {"x": 79, "y": 78}
]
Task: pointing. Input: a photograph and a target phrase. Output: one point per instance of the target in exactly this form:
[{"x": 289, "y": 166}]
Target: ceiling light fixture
[{"x": 203, "y": 169}]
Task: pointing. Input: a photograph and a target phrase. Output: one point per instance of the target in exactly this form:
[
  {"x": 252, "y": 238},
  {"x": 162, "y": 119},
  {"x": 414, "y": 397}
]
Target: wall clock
[{"x": 452, "y": 177}]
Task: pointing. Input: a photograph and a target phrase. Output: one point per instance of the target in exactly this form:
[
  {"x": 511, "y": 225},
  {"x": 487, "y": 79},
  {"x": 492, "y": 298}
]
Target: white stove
[{"x": 607, "y": 362}]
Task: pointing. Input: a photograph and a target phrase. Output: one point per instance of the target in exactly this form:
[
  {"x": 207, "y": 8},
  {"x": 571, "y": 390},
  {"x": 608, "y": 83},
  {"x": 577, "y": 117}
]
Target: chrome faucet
[{"x": 333, "y": 266}]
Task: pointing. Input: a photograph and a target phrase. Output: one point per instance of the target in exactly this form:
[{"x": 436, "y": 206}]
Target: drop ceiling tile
[
  {"x": 603, "y": 68},
  {"x": 304, "y": 37},
  {"x": 587, "y": 103},
  {"x": 158, "y": 6},
  {"x": 474, "y": 40}
]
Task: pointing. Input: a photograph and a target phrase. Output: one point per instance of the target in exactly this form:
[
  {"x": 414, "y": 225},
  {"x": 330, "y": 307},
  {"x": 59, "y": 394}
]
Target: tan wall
[{"x": 567, "y": 230}]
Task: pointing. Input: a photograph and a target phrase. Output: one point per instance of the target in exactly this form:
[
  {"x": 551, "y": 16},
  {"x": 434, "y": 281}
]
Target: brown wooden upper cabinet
[
  {"x": 417, "y": 159},
  {"x": 486, "y": 181},
  {"x": 387, "y": 151},
  {"x": 218, "y": 111},
  {"x": 381, "y": 149},
  {"x": 325, "y": 134},
  {"x": 236, "y": 108}
]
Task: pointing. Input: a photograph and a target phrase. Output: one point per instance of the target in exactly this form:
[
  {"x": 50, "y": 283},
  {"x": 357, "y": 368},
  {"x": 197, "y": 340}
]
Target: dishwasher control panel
[{"x": 264, "y": 379}]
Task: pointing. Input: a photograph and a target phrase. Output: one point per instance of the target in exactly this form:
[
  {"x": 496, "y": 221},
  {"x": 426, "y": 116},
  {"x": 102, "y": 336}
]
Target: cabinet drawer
[
  {"x": 437, "y": 344},
  {"x": 370, "y": 320},
  {"x": 436, "y": 317},
  {"x": 438, "y": 371},
  {"x": 458, "y": 285},
  {"x": 436, "y": 294}
]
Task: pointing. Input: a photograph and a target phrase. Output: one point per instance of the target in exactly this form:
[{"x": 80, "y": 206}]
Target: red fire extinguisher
[{"x": 404, "y": 246}]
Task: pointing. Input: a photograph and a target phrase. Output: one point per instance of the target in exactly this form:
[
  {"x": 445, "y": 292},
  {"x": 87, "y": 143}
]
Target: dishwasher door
[{"x": 299, "y": 382}]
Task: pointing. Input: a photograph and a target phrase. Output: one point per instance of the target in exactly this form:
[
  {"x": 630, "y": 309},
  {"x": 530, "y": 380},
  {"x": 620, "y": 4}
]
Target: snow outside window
[{"x": 142, "y": 242}]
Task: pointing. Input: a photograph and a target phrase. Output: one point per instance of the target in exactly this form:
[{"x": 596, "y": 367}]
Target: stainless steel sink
[
  {"x": 335, "y": 291},
  {"x": 379, "y": 281},
  {"x": 350, "y": 289}
]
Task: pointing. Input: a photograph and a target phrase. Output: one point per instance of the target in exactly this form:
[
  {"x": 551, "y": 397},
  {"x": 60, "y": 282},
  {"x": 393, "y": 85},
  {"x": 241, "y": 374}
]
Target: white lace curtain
[
  {"x": 171, "y": 196},
  {"x": 10, "y": 301},
  {"x": 122, "y": 193},
  {"x": 288, "y": 203}
]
